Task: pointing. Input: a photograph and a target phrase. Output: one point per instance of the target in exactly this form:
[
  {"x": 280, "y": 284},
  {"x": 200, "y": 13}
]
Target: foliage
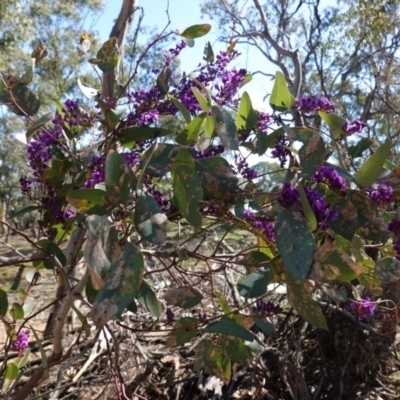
[{"x": 119, "y": 202}]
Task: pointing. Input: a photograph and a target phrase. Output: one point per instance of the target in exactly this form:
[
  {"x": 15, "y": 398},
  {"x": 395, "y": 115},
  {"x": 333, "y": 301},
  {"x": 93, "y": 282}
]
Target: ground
[{"x": 352, "y": 360}]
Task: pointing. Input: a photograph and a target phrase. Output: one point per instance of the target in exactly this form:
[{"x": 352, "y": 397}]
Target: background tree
[{"x": 347, "y": 52}]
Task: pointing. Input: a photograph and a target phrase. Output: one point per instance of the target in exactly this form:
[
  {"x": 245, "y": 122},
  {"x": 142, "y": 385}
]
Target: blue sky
[{"x": 184, "y": 13}]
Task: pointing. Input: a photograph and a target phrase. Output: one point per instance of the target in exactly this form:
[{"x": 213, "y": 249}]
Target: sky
[{"x": 184, "y": 13}]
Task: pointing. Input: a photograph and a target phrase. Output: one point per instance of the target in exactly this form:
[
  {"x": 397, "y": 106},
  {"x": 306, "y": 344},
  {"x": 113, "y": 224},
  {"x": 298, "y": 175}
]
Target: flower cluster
[
  {"x": 381, "y": 194},
  {"x": 356, "y": 126},
  {"x": 21, "y": 343},
  {"x": 312, "y": 104},
  {"x": 75, "y": 116},
  {"x": 98, "y": 174},
  {"x": 215, "y": 74},
  {"x": 263, "y": 121},
  {"x": 260, "y": 222},
  {"x": 394, "y": 226},
  {"x": 144, "y": 104},
  {"x": 281, "y": 152},
  {"x": 331, "y": 177},
  {"x": 322, "y": 210},
  {"x": 267, "y": 307},
  {"x": 290, "y": 196},
  {"x": 26, "y": 185},
  {"x": 209, "y": 152},
  {"x": 247, "y": 172},
  {"x": 363, "y": 308},
  {"x": 174, "y": 52}
]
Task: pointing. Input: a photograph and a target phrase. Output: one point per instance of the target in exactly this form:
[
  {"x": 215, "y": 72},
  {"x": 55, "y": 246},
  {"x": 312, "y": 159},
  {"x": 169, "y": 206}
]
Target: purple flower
[
  {"x": 331, "y": 177},
  {"x": 260, "y": 222},
  {"x": 268, "y": 307},
  {"x": 363, "y": 308},
  {"x": 262, "y": 121},
  {"x": 310, "y": 104},
  {"x": 281, "y": 152},
  {"x": 289, "y": 196},
  {"x": 394, "y": 226},
  {"x": 321, "y": 208},
  {"x": 356, "y": 126},
  {"x": 396, "y": 248},
  {"x": 25, "y": 185},
  {"x": 381, "y": 194},
  {"x": 21, "y": 343},
  {"x": 209, "y": 152}
]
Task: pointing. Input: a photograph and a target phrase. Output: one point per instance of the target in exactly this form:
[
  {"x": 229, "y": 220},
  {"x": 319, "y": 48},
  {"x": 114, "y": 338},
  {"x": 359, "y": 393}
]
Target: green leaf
[
  {"x": 141, "y": 133},
  {"x": 43, "y": 355},
  {"x": 334, "y": 122},
  {"x": 101, "y": 248},
  {"x": 268, "y": 141},
  {"x": 246, "y": 117},
  {"x": 17, "y": 311},
  {"x": 255, "y": 284},
  {"x": 184, "y": 331},
  {"x": 217, "y": 178},
  {"x": 24, "y": 211},
  {"x": 281, "y": 99},
  {"x": 12, "y": 371},
  {"x": 312, "y": 153},
  {"x": 50, "y": 250},
  {"x": 308, "y": 212},
  {"x": 229, "y": 327},
  {"x": 247, "y": 78},
  {"x": 118, "y": 179},
  {"x": 23, "y": 361},
  {"x": 208, "y": 54},
  {"x": 236, "y": 350},
  {"x": 191, "y": 133},
  {"x": 3, "y": 303},
  {"x": 333, "y": 265},
  {"x": 27, "y": 77},
  {"x": 150, "y": 222},
  {"x": 369, "y": 172},
  {"x": 209, "y": 126},
  {"x": 187, "y": 187},
  {"x": 388, "y": 269},
  {"x": 226, "y": 128},
  {"x": 42, "y": 121},
  {"x": 295, "y": 243},
  {"x": 266, "y": 326},
  {"x": 358, "y": 149},
  {"x": 107, "y": 56},
  {"x": 163, "y": 80},
  {"x": 213, "y": 360},
  {"x": 301, "y": 300},
  {"x": 83, "y": 320},
  {"x": 148, "y": 298},
  {"x": 122, "y": 285},
  {"x": 162, "y": 156},
  {"x": 183, "y": 296},
  {"x": 369, "y": 225},
  {"x": 346, "y": 222},
  {"x": 21, "y": 100},
  {"x": 182, "y": 108},
  {"x": 196, "y": 31},
  {"x": 89, "y": 201},
  {"x": 201, "y": 99}
]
